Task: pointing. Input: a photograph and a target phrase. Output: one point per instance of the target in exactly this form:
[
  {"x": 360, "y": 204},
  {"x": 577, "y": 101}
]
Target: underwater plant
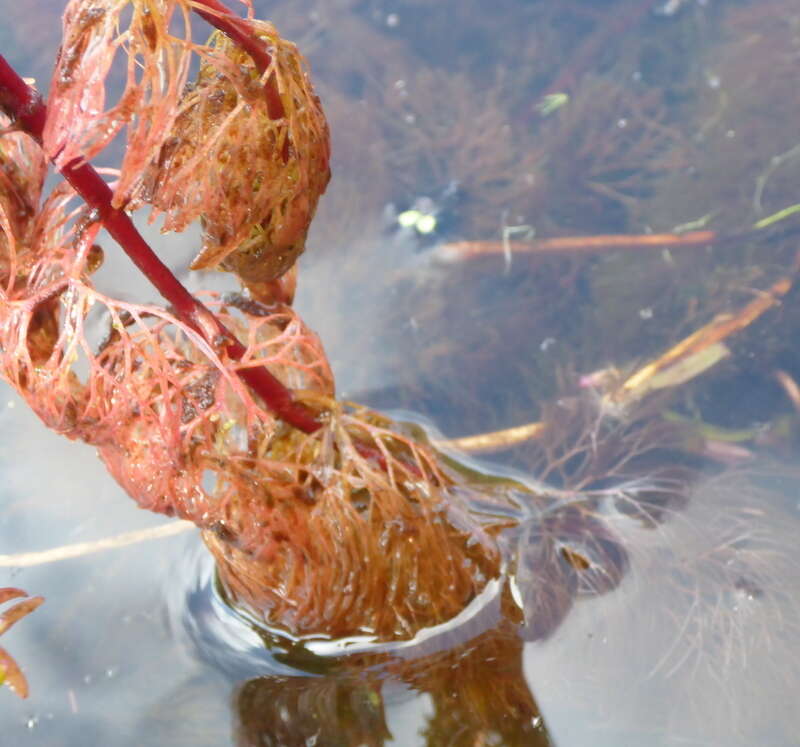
[{"x": 325, "y": 518}]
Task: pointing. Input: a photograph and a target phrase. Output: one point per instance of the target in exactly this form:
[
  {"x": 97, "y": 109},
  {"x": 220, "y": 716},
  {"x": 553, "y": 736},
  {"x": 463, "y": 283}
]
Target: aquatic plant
[{"x": 326, "y": 519}]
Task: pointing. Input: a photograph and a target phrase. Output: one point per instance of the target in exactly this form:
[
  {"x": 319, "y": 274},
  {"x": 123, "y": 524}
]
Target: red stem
[
  {"x": 240, "y": 31},
  {"x": 26, "y": 107}
]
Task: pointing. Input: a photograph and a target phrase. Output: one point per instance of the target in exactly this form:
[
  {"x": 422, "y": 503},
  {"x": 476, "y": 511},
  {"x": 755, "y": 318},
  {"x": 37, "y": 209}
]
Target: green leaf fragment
[
  {"x": 689, "y": 367},
  {"x": 552, "y": 102},
  {"x": 775, "y": 217}
]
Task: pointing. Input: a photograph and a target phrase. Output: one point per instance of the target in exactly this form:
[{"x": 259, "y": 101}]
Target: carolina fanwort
[{"x": 293, "y": 518}]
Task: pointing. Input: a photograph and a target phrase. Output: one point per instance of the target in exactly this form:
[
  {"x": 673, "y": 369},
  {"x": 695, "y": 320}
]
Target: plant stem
[
  {"x": 240, "y": 31},
  {"x": 26, "y": 107},
  {"x": 463, "y": 250}
]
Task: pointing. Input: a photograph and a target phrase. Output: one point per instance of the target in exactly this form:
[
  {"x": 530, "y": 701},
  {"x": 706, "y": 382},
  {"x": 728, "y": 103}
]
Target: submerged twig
[
  {"x": 465, "y": 250},
  {"x": 494, "y": 440},
  {"x": 696, "y": 353},
  {"x": 79, "y": 549},
  {"x": 789, "y": 386}
]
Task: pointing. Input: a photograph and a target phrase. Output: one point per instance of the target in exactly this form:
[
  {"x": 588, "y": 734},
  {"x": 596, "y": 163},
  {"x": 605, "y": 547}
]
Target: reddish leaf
[
  {"x": 12, "y": 675},
  {"x": 17, "y": 612},
  {"x": 9, "y": 592}
]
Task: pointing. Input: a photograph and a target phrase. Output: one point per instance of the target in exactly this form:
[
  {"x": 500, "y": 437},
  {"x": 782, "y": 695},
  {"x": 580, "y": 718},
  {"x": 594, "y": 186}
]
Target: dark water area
[{"x": 678, "y": 508}]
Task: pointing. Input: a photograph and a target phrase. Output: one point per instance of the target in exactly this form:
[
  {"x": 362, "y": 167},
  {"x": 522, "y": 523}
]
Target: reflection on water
[
  {"x": 315, "y": 691},
  {"x": 657, "y": 591}
]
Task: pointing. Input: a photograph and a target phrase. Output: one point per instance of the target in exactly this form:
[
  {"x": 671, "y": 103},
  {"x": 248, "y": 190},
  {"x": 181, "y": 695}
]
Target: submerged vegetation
[
  {"x": 608, "y": 253},
  {"x": 10, "y": 673}
]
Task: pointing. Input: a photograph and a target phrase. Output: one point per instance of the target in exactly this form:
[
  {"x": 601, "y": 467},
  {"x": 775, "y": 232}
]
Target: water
[{"x": 671, "y": 117}]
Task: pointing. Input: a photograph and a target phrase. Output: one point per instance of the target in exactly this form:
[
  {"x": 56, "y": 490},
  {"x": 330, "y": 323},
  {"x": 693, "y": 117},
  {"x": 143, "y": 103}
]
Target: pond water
[{"x": 456, "y": 122}]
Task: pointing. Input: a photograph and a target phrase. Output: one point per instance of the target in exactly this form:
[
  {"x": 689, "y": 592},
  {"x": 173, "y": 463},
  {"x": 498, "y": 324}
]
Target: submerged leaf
[
  {"x": 245, "y": 149},
  {"x": 10, "y": 593},
  {"x": 81, "y": 119},
  {"x": 10, "y": 672},
  {"x": 13, "y": 615},
  {"x": 253, "y": 176}
]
